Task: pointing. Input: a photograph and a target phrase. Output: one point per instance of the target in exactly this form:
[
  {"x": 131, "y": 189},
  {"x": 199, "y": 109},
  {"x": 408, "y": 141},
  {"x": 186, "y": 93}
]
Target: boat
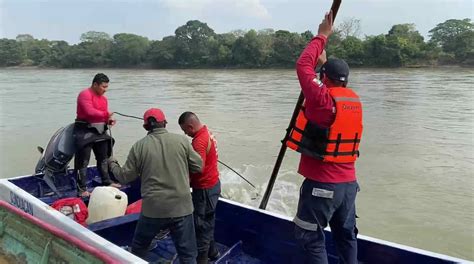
[
  {"x": 243, "y": 234},
  {"x": 27, "y": 239}
]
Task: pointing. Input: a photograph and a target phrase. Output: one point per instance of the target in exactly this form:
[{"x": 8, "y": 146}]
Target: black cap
[{"x": 336, "y": 69}]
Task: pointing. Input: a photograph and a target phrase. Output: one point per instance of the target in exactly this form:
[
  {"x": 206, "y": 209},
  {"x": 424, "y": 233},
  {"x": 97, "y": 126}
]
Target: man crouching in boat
[
  {"x": 206, "y": 185},
  {"x": 163, "y": 161},
  {"x": 91, "y": 123},
  {"x": 329, "y": 132}
]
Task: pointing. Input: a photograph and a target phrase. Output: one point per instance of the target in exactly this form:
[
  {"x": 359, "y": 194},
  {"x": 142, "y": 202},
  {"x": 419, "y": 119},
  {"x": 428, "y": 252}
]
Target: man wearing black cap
[{"x": 328, "y": 133}]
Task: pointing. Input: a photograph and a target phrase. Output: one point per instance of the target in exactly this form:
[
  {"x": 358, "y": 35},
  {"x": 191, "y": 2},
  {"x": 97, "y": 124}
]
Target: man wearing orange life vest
[{"x": 327, "y": 134}]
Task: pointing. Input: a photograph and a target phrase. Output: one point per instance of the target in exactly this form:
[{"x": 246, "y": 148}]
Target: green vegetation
[{"x": 196, "y": 45}]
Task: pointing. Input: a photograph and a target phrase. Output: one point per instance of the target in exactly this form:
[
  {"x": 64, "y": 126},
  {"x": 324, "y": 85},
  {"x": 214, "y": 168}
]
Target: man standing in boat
[
  {"x": 92, "y": 120},
  {"x": 327, "y": 134},
  {"x": 163, "y": 161},
  {"x": 206, "y": 185}
]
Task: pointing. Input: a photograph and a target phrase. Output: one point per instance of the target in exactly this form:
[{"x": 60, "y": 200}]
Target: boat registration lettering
[{"x": 21, "y": 203}]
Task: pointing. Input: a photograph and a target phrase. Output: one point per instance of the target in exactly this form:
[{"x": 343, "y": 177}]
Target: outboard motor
[{"x": 57, "y": 155}]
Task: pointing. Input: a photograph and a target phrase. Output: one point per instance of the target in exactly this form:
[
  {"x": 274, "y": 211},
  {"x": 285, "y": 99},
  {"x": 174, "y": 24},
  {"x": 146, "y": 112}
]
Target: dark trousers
[
  {"x": 182, "y": 234},
  {"x": 205, "y": 202},
  {"x": 321, "y": 204},
  {"x": 81, "y": 161}
]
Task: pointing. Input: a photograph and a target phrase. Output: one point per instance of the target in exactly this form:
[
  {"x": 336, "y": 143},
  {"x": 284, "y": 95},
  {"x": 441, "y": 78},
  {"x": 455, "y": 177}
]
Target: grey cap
[{"x": 336, "y": 69}]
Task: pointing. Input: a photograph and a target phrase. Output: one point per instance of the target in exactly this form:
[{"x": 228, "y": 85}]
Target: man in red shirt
[
  {"x": 206, "y": 185},
  {"x": 328, "y": 193},
  {"x": 91, "y": 123}
]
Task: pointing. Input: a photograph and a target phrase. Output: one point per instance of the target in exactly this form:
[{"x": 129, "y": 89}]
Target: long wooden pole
[{"x": 281, "y": 154}]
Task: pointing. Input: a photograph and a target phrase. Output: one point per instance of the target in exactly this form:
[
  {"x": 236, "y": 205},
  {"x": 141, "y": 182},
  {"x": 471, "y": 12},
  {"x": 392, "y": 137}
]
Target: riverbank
[{"x": 147, "y": 67}]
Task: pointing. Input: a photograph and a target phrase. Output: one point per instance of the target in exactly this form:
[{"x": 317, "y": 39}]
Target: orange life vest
[{"x": 340, "y": 142}]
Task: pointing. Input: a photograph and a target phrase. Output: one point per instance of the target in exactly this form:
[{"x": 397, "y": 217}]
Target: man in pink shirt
[
  {"x": 327, "y": 195},
  {"x": 91, "y": 123}
]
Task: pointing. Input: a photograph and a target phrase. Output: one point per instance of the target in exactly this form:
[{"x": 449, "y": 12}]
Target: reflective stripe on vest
[{"x": 339, "y": 143}]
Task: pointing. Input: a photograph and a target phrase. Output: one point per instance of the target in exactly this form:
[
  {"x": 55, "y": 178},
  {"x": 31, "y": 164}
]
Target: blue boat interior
[{"x": 243, "y": 235}]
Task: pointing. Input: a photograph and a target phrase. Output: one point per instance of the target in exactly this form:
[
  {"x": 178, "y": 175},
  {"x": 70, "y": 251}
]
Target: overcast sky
[{"x": 68, "y": 19}]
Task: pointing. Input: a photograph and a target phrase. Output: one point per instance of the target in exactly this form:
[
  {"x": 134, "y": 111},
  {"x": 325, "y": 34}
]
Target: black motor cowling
[{"x": 59, "y": 151}]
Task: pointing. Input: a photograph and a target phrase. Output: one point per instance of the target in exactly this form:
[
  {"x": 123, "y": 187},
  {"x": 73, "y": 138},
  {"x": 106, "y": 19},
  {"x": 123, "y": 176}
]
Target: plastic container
[{"x": 106, "y": 202}]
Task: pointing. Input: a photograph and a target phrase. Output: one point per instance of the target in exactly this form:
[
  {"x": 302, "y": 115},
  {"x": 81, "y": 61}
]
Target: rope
[{"x": 136, "y": 117}]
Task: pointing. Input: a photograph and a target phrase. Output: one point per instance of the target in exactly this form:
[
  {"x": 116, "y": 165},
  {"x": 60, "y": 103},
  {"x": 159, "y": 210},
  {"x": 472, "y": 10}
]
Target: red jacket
[
  {"x": 72, "y": 207},
  {"x": 205, "y": 145},
  {"x": 320, "y": 109},
  {"x": 92, "y": 107}
]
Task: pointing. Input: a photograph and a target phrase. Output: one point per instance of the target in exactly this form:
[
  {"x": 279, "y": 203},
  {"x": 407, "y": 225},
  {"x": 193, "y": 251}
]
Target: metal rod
[
  {"x": 237, "y": 173},
  {"x": 263, "y": 204},
  {"x": 136, "y": 117},
  {"x": 111, "y": 141},
  {"x": 281, "y": 154}
]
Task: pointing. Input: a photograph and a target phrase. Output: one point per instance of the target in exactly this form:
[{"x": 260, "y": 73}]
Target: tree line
[{"x": 196, "y": 45}]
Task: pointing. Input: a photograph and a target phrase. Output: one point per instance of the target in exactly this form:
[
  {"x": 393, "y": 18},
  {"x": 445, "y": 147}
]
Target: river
[{"x": 417, "y": 153}]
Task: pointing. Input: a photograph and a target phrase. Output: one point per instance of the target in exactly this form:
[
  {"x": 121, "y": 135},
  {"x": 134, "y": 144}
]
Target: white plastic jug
[{"x": 106, "y": 202}]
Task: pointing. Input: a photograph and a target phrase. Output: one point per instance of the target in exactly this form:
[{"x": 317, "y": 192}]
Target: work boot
[
  {"x": 81, "y": 183},
  {"x": 203, "y": 257},
  {"x": 214, "y": 253},
  {"x": 103, "y": 169}
]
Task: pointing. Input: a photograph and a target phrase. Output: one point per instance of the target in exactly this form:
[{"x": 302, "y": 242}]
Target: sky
[{"x": 155, "y": 19}]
